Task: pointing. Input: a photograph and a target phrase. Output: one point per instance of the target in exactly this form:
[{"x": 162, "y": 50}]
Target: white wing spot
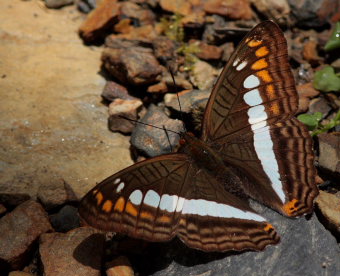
[
  {"x": 116, "y": 181},
  {"x": 252, "y": 97},
  {"x": 120, "y": 187},
  {"x": 152, "y": 199},
  {"x": 136, "y": 197},
  {"x": 251, "y": 82},
  {"x": 236, "y": 62},
  {"x": 241, "y": 66}
]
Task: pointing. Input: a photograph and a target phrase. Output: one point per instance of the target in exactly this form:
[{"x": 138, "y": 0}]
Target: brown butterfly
[{"x": 251, "y": 145}]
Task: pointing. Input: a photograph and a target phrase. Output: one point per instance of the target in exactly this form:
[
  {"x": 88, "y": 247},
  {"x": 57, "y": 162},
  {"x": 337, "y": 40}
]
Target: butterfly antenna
[
  {"x": 146, "y": 124},
  {"x": 179, "y": 102},
  {"x": 167, "y": 136}
]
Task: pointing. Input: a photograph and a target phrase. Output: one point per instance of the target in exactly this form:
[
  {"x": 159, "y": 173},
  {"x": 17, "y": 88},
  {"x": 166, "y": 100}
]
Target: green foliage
[
  {"x": 326, "y": 80},
  {"x": 173, "y": 29},
  {"x": 334, "y": 41},
  {"x": 313, "y": 122}
]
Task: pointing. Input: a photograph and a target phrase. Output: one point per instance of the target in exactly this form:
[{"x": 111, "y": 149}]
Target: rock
[
  {"x": 66, "y": 219},
  {"x": 153, "y": 141},
  {"x": 135, "y": 65},
  {"x": 182, "y": 7},
  {"x": 160, "y": 87},
  {"x": 329, "y": 152},
  {"x": 303, "y": 74},
  {"x": 329, "y": 207},
  {"x": 277, "y": 10},
  {"x": 126, "y": 30},
  {"x": 113, "y": 90},
  {"x": 313, "y": 13},
  {"x": 180, "y": 82},
  {"x": 119, "y": 266},
  {"x": 3, "y": 209},
  {"x": 56, "y": 4},
  {"x": 86, "y": 5},
  {"x": 228, "y": 49},
  {"x": 306, "y": 92},
  {"x": 306, "y": 248},
  {"x": 189, "y": 100},
  {"x": 207, "y": 52},
  {"x": 54, "y": 193},
  {"x": 217, "y": 32},
  {"x": 19, "y": 230},
  {"x": 99, "y": 21},
  {"x": 62, "y": 133},
  {"x": 142, "y": 15},
  {"x": 203, "y": 75},
  {"x": 319, "y": 105},
  {"x": 232, "y": 9},
  {"x": 19, "y": 273},
  {"x": 126, "y": 108},
  {"x": 164, "y": 49},
  {"x": 78, "y": 252},
  {"x": 310, "y": 53}
]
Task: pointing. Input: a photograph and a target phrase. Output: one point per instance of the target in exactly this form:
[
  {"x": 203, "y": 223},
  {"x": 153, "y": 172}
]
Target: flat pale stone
[{"x": 53, "y": 121}]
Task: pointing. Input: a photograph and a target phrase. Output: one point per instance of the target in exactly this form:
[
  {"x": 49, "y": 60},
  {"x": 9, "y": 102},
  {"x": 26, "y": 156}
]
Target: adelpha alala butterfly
[{"x": 251, "y": 146}]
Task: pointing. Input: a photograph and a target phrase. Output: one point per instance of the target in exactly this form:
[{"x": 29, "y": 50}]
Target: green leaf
[
  {"x": 311, "y": 120},
  {"x": 326, "y": 80},
  {"x": 334, "y": 41}
]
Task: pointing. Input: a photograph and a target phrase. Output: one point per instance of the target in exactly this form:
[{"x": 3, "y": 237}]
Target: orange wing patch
[
  {"x": 107, "y": 206},
  {"x": 260, "y": 64},
  {"x": 268, "y": 227},
  {"x": 261, "y": 52},
  {"x": 275, "y": 108},
  {"x": 254, "y": 43},
  {"x": 131, "y": 209},
  {"x": 99, "y": 198},
  {"x": 119, "y": 206},
  {"x": 270, "y": 92},
  {"x": 147, "y": 215},
  {"x": 290, "y": 207},
  {"x": 264, "y": 75}
]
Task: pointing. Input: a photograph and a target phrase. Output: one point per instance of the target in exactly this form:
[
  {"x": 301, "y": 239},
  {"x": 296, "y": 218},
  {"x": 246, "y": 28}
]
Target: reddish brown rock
[
  {"x": 306, "y": 92},
  {"x": 126, "y": 108},
  {"x": 135, "y": 66},
  {"x": 233, "y": 9},
  {"x": 113, "y": 90},
  {"x": 77, "y": 253},
  {"x": 100, "y": 20},
  {"x": 2, "y": 209},
  {"x": 207, "y": 52},
  {"x": 132, "y": 10},
  {"x": 19, "y": 230},
  {"x": 329, "y": 207},
  {"x": 329, "y": 152},
  {"x": 19, "y": 273},
  {"x": 164, "y": 48},
  {"x": 277, "y": 10},
  {"x": 160, "y": 87},
  {"x": 119, "y": 266},
  {"x": 182, "y": 7},
  {"x": 310, "y": 53}
]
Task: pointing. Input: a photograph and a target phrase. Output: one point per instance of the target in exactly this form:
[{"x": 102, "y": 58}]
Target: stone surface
[
  {"x": 277, "y": 10},
  {"x": 329, "y": 208},
  {"x": 329, "y": 152},
  {"x": 113, "y": 90},
  {"x": 153, "y": 141},
  {"x": 134, "y": 11},
  {"x": 133, "y": 65},
  {"x": 233, "y": 9},
  {"x": 126, "y": 108},
  {"x": 56, "y": 4},
  {"x": 208, "y": 52},
  {"x": 78, "y": 252},
  {"x": 203, "y": 75},
  {"x": 164, "y": 48},
  {"x": 99, "y": 21},
  {"x": 306, "y": 92},
  {"x": 313, "y": 13},
  {"x": 182, "y": 7},
  {"x": 2, "y": 209},
  {"x": 310, "y": 53},
  {"x": 66, "y": 219},
  {"x": 119, "y": 266},
  {"x": 19, "y": 230},
  {"x": 306, "y": 248},
  {"x": 59, "y": 130},
  {"x": 19, "y": 273},
  {"x": 319, "y": 104}
]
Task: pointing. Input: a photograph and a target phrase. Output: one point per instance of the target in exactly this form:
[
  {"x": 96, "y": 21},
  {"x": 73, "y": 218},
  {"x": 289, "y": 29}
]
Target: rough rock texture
[
  {"x": 119, "y": 266},
  {"x": 329, "y": 208},
  {"x": 19, "y": 229},
  {"x": 329, "y": 148},
  {"x": 54, "y": 125},
  {"x": 78, "y": 252},
  {"x": 306, "y": 248}
]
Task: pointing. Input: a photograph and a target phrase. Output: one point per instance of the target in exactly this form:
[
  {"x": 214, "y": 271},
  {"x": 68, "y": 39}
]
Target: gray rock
[
  {"x": 153, "y": 141},
  {"x": 66, "y": 219},
  {"x": 56, "y": 4}
]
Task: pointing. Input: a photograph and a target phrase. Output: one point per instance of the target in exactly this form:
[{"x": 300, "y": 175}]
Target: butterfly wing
[
  {"x": 167, "y": 195},
  {"x": 249, "y": 120}
]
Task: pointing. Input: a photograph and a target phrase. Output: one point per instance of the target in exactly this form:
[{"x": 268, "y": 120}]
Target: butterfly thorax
[{"x": 203, "y": 155}]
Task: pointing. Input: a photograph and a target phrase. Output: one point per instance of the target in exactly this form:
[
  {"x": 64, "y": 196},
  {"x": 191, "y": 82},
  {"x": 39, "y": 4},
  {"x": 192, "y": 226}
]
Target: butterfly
[{"x": 251, "y": 145}]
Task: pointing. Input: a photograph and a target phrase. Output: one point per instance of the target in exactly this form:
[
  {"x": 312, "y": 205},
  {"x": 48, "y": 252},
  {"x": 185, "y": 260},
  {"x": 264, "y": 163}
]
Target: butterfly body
[{"x": 251, "y": 145}]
